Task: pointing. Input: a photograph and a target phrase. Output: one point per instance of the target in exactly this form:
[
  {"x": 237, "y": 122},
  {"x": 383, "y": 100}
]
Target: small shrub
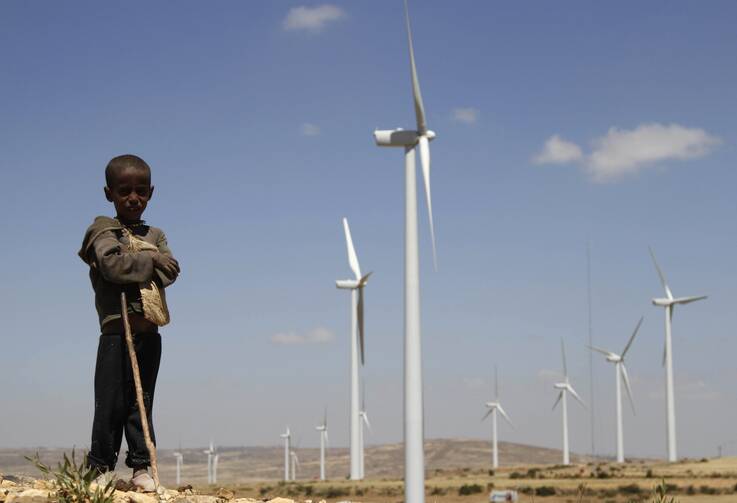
[
  {"x": 630, "y": 489},
  {"x": 359, "y": 491},
  {"x": 532, "y": 473},
  {"x": 492, "y": 473},
  {"x": 525, "y": 490},
  {"x": 545, "y": 491},
  {"x": 708, "y": 490},
  {"x": 649, "y": 473},
  {"x": 438, "y": 491},
  {"x": 468, "y": 489},
  {"x": 691, "y": 490},
  {"x": 265, "y": 490},
  {"x": 516, "y": 475},
  {"x": 73, "y": 481}
]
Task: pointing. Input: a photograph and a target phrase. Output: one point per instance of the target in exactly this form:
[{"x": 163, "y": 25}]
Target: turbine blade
[
  {"x": 560, "y": 395},
  {"x": 628, "y": 388},
  {"x": 632, "y": 337},
  {"x": 352, "y": 258},
  {"x": 424, "y": 145},
  {"x": 325, "y": 417},
  {"x": 688, "y": 300},
  {"x": 488, "y": 412},
  {"x": 505, "y": 416},
  {"x": 366, "y": 420},
  {"x": 563, "y": 352},
  {"x": 496, "y": 383},
  {"x": 660, "y": 273},
  {"x": 665, "y": 355},
  {"x": 575, "y": 395},
  {"x": 419, "y": 107},
  {"x": 599, "y": 350},
  {"x": 360, "y": 325}
]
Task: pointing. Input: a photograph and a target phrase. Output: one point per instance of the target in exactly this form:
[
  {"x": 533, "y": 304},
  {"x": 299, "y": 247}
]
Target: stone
[
  {"x": 280, "y": 500},
  {"x": 225, "y": 494},
  {"x": 7, "y": 483},
  {"x": 29, "y": 496},
  {"x": 135, "y": 497}
]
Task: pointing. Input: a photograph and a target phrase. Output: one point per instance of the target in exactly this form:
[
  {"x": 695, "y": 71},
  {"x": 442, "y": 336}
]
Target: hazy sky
[{"x": 614, "y": 122}]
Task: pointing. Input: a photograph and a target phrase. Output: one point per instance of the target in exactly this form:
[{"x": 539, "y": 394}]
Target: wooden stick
[{"x": 139, "y": 389}]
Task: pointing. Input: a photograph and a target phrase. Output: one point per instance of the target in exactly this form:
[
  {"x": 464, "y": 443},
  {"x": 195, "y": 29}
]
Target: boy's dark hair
[{"x": 119, "y": 163}]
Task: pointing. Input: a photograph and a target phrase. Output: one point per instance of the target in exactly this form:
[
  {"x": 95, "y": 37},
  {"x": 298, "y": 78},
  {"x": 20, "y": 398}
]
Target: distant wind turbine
[
  {"x": 295, "y": 464},
  {"x": 210, "y": 455},
  {"x": 565, "y": 388},
  {"x": 411, "y": 141},
  {"x": 621, "y": 375},
  {"x": 356, "y": 287},
  {"x": 495, "y": 407},
  {"x": 287, "y": 436},
  {"x": 364, "y": 421},
  {"x": 323, "y": 429},
  {"x": 669, "y": 303},
  {"x": 180, "y": 462}
]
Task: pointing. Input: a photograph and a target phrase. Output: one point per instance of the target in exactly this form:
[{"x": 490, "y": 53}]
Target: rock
[
  {"x": 135, "y": 497},
  {"x": 7, "y": 483},
  {"x": 225, "y": 494},
  {"x": 29, "y": 496},
  {"x": 44, "y": 484},
  {"x": 280, "y": 500},
  {"x": 121, "y": 497},
  {"x": 195, "y": 498},
  {"x": 245, "y": 500}
]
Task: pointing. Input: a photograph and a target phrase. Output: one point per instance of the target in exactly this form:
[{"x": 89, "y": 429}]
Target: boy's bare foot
[{"x": 143, "y": 481}]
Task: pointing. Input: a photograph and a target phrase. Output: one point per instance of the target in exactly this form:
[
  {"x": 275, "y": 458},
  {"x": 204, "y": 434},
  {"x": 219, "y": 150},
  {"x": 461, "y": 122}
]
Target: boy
[{"x": 126, "y": 255}]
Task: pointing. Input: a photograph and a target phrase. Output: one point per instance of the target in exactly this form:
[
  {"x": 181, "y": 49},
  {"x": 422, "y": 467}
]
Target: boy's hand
[{"x": 168, "y": 265}]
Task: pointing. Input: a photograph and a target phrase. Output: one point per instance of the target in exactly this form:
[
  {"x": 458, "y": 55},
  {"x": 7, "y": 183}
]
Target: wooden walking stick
[{"x": 139, "y": 389}]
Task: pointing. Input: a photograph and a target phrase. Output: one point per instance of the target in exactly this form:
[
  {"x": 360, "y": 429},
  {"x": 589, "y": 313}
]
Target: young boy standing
[{"x": 126, "y": 255}]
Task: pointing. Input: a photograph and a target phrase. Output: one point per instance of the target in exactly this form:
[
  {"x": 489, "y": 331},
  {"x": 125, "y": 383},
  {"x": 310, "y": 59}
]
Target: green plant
[
  {"x": 467, "y": 489},
  {"x": 74, "y": 481},
  {"x": 545, "y": 491}
]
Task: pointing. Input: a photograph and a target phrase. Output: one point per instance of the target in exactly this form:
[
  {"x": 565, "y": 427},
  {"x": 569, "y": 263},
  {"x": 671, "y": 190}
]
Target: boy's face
[{"x": 130, "y": 193}]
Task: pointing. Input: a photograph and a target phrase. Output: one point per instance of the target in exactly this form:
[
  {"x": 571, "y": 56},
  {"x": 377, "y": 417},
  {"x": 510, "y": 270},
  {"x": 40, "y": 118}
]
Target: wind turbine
[
  {"x": 210, "y": 453},
  {"x": 323, "y": 429},
  {"x": 215, "y": 459},
  {"x": 565, "y": 388},
  {"x": 495, "y": 407},
  {"x": 287, "y": 436},
  {"x": 180, "y": 461},
  {"x": 364, "y": 421},
  {"x": 357, "y": 343},
  {"x": 419, "y": 139},
  {"x": 669, "y": 302},
  {"x": 295, "y": 464},
  {"x": 621, "y": 375}
]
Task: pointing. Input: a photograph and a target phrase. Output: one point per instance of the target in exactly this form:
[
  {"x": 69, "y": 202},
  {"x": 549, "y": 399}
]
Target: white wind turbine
[
  {"x": 357, "y": 344},
  {"x": 419, "y": 139},
  {"x": 495, "y": 407},
  {"x": 565, "y": 388},
  {"x": 669, "y": 302},
  {"x": 295, "y": 464},
  {"x": 180, "y": 462},
  {"x": 621, "y": 375},
  {"x": 364, "y": 421},
  {"x": 210, "y": 455},
  {"x": 323, "y": 429},
  {"x": 287, "y": 436}
]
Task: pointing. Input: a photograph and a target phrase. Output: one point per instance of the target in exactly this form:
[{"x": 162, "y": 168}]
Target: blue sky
[{"x": 608, "y": 122}]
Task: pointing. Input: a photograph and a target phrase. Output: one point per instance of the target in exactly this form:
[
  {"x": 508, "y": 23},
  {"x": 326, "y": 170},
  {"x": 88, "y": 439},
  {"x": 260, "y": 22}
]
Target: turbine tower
[
  {"x": 411, "y": 141},
  {"x": 565, "y": 388},
  {"x": 210, "y": 454},
  {"x": 495, "y": 407},
  {"x": 669, "y": 302},
  {"x": 364, "y": 421},
  {"x": 621, "y": 375},
  {"x": 287, "y": 436},
  {"x": 180, "y": 462},
  {"x": 356, "y": 286},
  {"x": 323, "y": 429},
  {"x": 295, "y": 464}
]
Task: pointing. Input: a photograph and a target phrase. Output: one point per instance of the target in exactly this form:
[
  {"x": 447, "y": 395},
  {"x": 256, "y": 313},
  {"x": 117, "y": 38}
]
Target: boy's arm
[
  {"x": 118, "y": 265},
  {"x": 163, "y": 247}
]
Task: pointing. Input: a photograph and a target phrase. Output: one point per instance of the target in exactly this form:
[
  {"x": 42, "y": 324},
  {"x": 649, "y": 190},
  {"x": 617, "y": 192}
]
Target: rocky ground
[{"x": 29, "y": 490}]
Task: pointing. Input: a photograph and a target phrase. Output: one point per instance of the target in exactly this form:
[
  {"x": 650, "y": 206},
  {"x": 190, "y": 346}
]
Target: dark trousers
[{"x": 116, "y": 409}]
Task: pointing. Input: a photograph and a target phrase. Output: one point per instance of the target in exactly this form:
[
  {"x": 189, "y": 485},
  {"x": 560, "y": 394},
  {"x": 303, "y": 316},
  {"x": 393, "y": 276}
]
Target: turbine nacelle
[
  {"x": 347, "y": 284},
  {"x": 560, "y": 385},
  {"x": 492, "y": 405},
  {"x": 399, "y": 137}
]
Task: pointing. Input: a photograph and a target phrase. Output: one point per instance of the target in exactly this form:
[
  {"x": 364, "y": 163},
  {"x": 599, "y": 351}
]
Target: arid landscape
[{"x": 457, "y": 472}]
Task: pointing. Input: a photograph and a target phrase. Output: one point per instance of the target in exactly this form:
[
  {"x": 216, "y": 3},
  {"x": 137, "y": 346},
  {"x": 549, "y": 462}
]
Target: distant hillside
[{"x": 241, "y": 464}]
